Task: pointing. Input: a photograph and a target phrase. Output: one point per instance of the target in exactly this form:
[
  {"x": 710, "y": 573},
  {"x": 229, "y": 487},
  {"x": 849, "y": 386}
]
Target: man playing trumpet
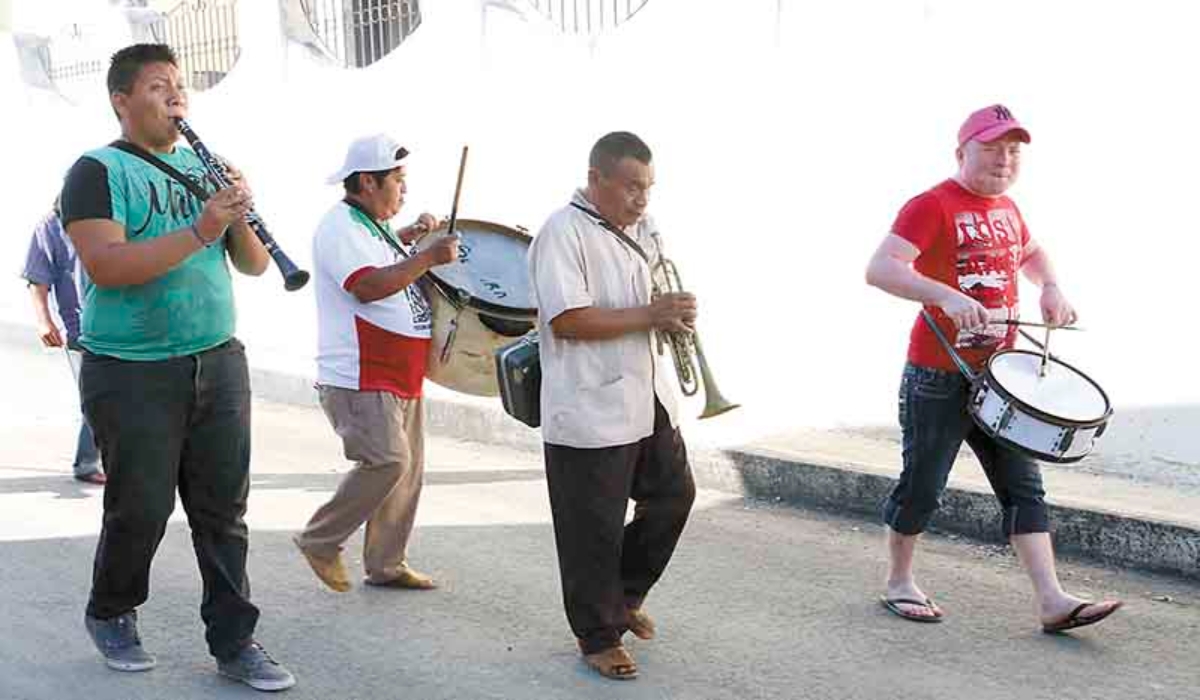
[
  {"x": 608, "y": 414},
  {"x": 373, "y": 329}
]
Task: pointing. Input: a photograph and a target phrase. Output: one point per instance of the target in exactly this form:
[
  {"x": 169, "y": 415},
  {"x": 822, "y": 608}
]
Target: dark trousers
[
  {"x": 935, "y": 422},
  {"x": 608, "y": 567},
  {"x": 179, "y": 424}
]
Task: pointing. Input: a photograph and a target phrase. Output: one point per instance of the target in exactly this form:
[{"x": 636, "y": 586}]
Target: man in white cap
[
  {"x": 956, "y": 249},
  {"x": 373, "y": 327}
]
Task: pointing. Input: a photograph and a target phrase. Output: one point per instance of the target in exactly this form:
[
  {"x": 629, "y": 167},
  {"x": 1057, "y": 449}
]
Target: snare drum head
[
  {"x": 491, "y": 266},
  {"x": 1064, "y": 392}
]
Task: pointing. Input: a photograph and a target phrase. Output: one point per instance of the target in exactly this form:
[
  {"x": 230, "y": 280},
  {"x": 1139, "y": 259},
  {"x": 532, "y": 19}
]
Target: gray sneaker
[
  {"x": 118, "y": 641},
  {"x": 255, "y": 667}
]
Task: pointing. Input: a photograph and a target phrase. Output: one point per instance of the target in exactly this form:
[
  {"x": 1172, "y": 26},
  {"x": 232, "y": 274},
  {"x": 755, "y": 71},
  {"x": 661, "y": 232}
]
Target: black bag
[{"x": 519, "y": 372}]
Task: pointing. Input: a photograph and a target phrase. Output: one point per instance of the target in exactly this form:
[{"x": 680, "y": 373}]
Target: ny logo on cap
[{"x": 1002, "y": 113}]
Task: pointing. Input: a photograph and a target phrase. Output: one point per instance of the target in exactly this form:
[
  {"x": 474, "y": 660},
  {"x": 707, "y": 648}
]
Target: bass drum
[{"x": 480, "y": 303}]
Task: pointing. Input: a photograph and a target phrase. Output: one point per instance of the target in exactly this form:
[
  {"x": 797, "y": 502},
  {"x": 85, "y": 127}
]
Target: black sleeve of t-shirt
[{"x": 85, "y": 193}]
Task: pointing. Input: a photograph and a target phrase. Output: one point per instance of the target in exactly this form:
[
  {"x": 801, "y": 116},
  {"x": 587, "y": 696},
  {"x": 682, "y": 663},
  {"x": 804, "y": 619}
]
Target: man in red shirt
[{"x": 956, "y": 249}]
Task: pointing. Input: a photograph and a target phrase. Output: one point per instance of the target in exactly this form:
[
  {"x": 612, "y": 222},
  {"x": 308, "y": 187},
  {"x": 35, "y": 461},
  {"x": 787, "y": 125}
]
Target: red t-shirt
[{"x": 971, "y": 243}]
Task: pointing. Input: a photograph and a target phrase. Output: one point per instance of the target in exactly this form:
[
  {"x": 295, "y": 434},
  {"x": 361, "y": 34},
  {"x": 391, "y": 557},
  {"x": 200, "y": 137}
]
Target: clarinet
[{"x": 293, "y": 277}]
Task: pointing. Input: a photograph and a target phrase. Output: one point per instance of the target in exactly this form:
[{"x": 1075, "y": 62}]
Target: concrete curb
[{"x": 1108, "y": 537}]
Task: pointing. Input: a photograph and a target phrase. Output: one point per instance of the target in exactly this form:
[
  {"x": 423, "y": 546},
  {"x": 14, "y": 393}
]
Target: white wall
[{"x": 784, "y": 144}]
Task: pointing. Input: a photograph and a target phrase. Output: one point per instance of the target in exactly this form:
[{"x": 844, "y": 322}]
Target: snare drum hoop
[
  {"x": 450, "y": 292},
  {"x": 996, "y": 386}
]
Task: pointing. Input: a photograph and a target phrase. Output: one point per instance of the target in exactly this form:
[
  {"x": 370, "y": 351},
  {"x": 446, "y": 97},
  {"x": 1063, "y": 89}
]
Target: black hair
[
  {"x": 611, "y": 148},
  {"x": 127, "y": 63},
  {"x": 353, "y": 184}
]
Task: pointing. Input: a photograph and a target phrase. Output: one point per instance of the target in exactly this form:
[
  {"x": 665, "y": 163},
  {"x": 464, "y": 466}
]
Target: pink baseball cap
[{"x": 989, "y": 124}]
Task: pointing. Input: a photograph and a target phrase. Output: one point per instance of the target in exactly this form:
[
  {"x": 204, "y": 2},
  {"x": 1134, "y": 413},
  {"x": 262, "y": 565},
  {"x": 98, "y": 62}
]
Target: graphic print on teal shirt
[{"x": 185, "y": 311}]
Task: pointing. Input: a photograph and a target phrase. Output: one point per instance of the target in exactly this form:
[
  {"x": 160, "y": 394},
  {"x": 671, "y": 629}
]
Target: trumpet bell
[{"x": 716, "y": 405}]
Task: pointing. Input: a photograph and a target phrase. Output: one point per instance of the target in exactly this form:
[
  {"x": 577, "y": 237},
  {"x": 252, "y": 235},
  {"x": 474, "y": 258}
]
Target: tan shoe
[
  {"x": 615, "y": 663},
  {"x": 640, "y": 623},
  {"x": 407, "y": 578},
  {"x": 331, "y": 571}
]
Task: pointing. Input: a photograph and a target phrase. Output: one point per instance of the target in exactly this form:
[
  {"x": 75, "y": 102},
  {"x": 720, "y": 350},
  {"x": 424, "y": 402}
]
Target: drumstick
[
  {"x": 1031, "y": 324},
  {"x": 1045, "y": 352},
  {"x": 462, "y": 165}
]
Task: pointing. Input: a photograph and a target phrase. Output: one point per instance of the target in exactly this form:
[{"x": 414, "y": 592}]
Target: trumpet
[{"x": 691, "y": 367}]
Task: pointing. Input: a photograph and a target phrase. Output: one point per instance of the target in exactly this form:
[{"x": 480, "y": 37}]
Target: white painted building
[{"x": 786, "y": 135}]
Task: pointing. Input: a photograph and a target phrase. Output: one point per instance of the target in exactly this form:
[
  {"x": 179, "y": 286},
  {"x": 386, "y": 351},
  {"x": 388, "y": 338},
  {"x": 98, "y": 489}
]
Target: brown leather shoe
[
  {"x": 640, "y": 623},
  {"x": 96, "y": 478},
  {"x": 407, "y": 578},
  {"x": 331, "y": 571}
]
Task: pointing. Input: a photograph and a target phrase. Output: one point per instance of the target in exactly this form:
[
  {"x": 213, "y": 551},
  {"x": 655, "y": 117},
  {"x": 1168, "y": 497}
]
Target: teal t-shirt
[{"x": 185, "y": 311}]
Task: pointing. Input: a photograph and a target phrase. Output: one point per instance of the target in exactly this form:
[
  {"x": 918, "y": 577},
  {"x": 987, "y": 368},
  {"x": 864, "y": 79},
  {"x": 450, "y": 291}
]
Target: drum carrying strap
[
  {"x": 962, "y": 365},
  {"x": 375, "y": 226}
]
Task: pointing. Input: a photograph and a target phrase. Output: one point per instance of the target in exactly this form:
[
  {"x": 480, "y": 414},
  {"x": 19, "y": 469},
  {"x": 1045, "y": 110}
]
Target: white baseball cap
[{"x": 370, "y": 154}]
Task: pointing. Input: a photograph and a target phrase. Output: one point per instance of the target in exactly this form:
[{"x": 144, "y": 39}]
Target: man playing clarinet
[{"x": 164, "y": 382}]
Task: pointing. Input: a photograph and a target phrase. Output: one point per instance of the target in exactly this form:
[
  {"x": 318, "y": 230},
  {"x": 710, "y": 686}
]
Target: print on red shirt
[{"x": 973, "y": 244}]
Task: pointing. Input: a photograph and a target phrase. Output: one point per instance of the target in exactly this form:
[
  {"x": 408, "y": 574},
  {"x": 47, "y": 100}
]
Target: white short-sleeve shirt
[{"x": 595, "y": 393}]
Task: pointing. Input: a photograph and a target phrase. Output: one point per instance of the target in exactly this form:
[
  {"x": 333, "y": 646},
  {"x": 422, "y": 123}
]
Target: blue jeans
[
  {"x": 87, "y": 453},
  {"x": 935, "y": 422},
  {"x": 181, "y": 424}
]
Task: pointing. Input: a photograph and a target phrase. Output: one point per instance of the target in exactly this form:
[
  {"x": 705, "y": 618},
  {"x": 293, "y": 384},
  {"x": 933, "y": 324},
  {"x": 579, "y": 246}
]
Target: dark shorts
[{"x": 934, "y": 422}]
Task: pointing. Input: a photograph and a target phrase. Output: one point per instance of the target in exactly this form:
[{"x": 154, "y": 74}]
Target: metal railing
[
  {"x": 360, "y": 32},
  {"x": 204, "y": 34},
  {"x": 587, "y": 16},
  {"x": 68, "y": 59}
]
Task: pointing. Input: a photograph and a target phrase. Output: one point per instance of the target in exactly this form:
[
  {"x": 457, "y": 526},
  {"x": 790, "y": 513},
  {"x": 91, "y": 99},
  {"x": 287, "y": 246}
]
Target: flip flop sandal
[
  {"x": 614, "y": 663},
  {"x": 1074, "y": 619},
  {"x": 893, "y": 606}
]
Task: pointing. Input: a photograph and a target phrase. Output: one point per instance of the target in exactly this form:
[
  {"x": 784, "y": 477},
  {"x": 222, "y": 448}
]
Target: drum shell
[
  {"x": 1023, "y": 427},
  {"x": 468, "y": 365},
  {"x": 467, "y": 330}
]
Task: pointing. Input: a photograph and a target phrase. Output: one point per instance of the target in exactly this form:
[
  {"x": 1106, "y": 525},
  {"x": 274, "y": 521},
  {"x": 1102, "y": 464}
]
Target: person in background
[{"x": 50, "y": 270}]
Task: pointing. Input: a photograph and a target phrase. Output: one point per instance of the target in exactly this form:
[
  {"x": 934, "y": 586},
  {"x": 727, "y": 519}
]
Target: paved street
[{"x": 759, "y": 602}]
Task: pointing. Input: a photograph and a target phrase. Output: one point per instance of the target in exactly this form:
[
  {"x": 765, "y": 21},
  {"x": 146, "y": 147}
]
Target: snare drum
[
  {"x": 1056, "y": 417},
  {"x": 480, "y": 302}
]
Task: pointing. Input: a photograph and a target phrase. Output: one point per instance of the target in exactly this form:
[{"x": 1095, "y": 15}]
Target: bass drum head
[
  {"x": 491, "y": 269},
  {"x": 490, "y": 282},
  {"x": 1065, "y": 392}
]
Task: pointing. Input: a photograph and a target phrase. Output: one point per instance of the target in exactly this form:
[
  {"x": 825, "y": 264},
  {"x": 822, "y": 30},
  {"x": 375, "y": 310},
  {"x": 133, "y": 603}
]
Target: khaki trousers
[{"x": 383, "y": 435}]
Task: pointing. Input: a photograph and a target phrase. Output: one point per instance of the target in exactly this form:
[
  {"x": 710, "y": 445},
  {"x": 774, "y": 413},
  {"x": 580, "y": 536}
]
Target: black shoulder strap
[
  {"x": 614, "y": 230},
  {"x": 136, "y": 150}
]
